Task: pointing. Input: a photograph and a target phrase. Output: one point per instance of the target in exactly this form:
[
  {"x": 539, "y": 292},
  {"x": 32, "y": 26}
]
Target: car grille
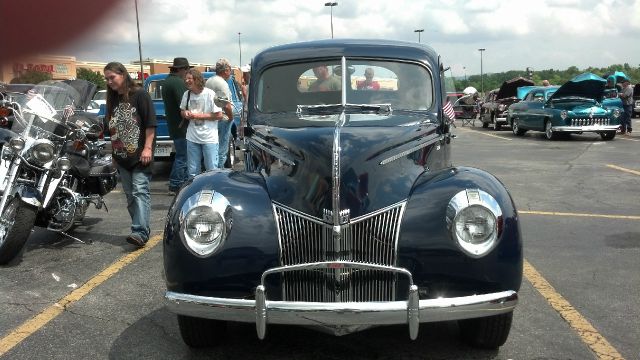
[
  {"x": 589, "y": 121},
  {"x": 369, "y": 239}
]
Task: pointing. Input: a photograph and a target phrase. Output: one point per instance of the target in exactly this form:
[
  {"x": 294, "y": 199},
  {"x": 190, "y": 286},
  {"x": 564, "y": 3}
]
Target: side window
[
  {"x": 155, "y": 90},
  {"x": 538, "y": 96}
]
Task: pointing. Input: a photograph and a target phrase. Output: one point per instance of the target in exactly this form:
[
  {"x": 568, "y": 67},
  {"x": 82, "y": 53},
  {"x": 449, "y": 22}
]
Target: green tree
[
  {"x": 31, "y": 77},
  {"x": 91, "y": 76}
]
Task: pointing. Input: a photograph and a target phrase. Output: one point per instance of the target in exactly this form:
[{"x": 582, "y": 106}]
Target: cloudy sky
[{"x": 542, "y": 34}]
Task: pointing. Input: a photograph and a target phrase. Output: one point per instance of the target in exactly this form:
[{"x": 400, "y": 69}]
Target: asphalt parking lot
[{"x": 577, "y": 199}]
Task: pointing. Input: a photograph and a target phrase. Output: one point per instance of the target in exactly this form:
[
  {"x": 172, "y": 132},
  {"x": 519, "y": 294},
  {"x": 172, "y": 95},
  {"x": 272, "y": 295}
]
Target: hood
[
  {"x": 378, "y": 164},
  {"x": 509, "y": 88},
  {"x": 84, "y": 91},
  {"x": 586, "y": 85}
]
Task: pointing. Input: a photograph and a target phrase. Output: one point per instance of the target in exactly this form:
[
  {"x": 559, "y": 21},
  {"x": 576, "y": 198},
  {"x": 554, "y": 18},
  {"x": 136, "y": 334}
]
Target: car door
[{"x": 535, "y": 111}]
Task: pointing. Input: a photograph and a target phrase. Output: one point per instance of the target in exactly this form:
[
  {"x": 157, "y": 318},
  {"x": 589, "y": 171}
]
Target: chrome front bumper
[
  {"x": 588, "y": 128},
  {"x": 412, "y": 312}
]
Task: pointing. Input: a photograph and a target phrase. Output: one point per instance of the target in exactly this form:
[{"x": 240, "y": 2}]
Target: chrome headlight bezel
[
  {"x": 564, "y": 114},
  {"x": 205, "y": 222},
  {"x": 486, "y": 213},
  {"x": 63, "y": 163},
  {"x": 16, "y": 144},
  {"x": 42, "y": 151},
  {"x": 616, "y": 112}
]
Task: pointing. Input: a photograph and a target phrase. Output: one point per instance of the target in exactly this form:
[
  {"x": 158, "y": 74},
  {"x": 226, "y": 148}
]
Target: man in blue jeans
[
  {"x": 219, "y": 84},
  {"x": 173, "y": 88}
]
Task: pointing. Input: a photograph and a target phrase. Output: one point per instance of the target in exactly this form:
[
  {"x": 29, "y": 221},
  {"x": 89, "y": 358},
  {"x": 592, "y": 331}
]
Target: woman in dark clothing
[{"x": 132, "y": 122}]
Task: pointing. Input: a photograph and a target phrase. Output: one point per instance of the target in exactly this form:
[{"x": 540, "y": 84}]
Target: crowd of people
[{"x": 199, "y": 116}]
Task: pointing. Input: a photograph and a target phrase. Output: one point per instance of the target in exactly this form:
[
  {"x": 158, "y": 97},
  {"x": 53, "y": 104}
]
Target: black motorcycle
[{"x": 51, "y": 163}]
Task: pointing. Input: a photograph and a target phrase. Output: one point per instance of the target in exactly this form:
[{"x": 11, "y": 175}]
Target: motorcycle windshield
[{"x": 44, "y": 110}]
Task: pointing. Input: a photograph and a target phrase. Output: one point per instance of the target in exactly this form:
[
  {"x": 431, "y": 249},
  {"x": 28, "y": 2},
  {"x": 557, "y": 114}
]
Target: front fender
[
  {"x": 29, "y": 195},
  {"x": 427, "y": 248},
  {"x": 250, "y": 248}
]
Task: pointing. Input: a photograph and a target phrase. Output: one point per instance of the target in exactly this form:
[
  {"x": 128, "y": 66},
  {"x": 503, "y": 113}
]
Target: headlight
[
  {"x": 475, "y": 221},
  {"x": 63, "y": 164},
  {"x": 616, "y": 113},
  {"x": 42, "y": 151},
  {"x": 17, "y": 144},
  {"x": 564, "y": 114},
  {"x": 205, "y": 221}
]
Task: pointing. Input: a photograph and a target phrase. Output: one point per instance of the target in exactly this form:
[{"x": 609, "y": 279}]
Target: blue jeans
[
  {"x": 625, "y": 121},
  {"x": 135, "y": 184},
  {"x": 196, "y": 152},
  {"x": 224, "y": 132},
  {"x": 179, "y": 169}
]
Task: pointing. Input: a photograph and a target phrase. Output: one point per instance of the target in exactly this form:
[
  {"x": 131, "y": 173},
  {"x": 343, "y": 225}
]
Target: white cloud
[{"x": 543, "y": 34}]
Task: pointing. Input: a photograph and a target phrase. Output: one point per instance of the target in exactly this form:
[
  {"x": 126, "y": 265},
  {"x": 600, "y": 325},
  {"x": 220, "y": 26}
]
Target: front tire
[
  {"x": 548, "y": 131},
  {"x": 487, "y": 332},
  {"x": 496, "y": 126},
  {"x": 515, "y": 127},
  {"x": 199, "y": 332},
  {"x": 609, "y": 135},
  {"x": 15, "y": 227}
]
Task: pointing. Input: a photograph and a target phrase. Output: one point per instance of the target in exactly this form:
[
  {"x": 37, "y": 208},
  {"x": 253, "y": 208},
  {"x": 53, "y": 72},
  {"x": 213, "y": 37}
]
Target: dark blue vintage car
[
  {"x": 348, "y": 213},
  {"x": 573, "y": 108}
]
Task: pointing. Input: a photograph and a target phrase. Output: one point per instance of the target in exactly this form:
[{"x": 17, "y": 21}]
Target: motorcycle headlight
[
  {"x": 17, "y": 144},
  {"x": 42, "y": 151},
  {"x": 564, "y": 114},
  {"x": 63, "y": 164},
  {"x": 616, "y": 113},
  {"x": 205, "y": 221},
  {"x": 474, "y": 219}
]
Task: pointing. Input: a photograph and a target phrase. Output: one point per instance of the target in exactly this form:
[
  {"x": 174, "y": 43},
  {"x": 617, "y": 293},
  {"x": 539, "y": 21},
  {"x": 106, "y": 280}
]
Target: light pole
[
  {"x": 139, "y": 43},
  {"x": 481, "y": 75},
  {"x": 418, "y": 31},
  {"x": 239, "y": 49},
  {"x": 331, "y": 5}
]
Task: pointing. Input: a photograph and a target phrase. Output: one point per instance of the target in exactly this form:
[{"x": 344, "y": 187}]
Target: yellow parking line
[
  {"x": 37, "y": 322},
  {"x": 555, "y": 213},
  {"x": 589, "y": 335},
  {"x": 487, "y": 134},
  {"x": 623, "y": 169}
]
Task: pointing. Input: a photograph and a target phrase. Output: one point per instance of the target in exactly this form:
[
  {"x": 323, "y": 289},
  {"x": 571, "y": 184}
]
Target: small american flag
[
  {"x": 67, "y": 112},
  {"x": 447, "y": 109}
]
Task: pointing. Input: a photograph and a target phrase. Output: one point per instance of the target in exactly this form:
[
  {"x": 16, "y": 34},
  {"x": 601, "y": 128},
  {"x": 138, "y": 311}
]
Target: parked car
[
  {"x": 100, "y": 97},
  {"x": 495, "y": 107},
  {"x": 164, "y": 144},
  {"x": 348, "y": 213},
  {"x": 573, "y": 108}
]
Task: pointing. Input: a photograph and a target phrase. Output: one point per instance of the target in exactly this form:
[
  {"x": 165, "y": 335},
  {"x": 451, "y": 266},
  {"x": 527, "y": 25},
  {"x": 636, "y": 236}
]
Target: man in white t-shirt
[
  {"x": 198, "y": 106},
  {"x": 219, "y": 85}
]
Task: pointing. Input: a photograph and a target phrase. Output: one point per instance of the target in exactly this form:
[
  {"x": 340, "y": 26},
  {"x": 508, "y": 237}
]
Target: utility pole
[
  {"x": 139, "y": 43},
  {"x": 481, "y": 74}
]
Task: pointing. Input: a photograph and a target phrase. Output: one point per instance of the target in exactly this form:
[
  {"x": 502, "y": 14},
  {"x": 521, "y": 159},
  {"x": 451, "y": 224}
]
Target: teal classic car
[{"x": 573, "y": 108}]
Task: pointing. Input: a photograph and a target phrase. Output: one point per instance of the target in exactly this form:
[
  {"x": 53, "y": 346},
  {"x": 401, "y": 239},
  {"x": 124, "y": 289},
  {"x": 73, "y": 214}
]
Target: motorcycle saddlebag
[{"x": 103, "y": 176}]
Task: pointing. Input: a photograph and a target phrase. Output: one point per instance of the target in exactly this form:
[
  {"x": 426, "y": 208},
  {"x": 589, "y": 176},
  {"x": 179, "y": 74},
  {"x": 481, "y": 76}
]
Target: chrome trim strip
[
  {"x": 591, "y": 128},
  {"x": 336, "y": 265},
  {"x": 428, "y": 142},
  {"x": 342, "y": 314}
]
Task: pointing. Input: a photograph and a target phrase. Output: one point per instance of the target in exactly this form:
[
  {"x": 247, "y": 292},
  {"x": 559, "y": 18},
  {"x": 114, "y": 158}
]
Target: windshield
[
  {"x": 403, "y": 86},
  {"x": 43, "y": 111}
]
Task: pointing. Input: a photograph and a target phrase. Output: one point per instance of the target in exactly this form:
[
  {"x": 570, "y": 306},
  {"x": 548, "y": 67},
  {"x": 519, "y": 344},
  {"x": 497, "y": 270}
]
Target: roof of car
[{"x": 332, "y": 48}]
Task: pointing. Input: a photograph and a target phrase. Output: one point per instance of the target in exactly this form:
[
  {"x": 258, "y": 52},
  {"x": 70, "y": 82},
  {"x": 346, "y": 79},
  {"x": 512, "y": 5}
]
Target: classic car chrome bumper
[
  {"x": 412, "y": 312},
  {"x": 587, "y": 128}
]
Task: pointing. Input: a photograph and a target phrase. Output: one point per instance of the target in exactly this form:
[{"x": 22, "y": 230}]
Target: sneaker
[{"x": 136, "y": 240}]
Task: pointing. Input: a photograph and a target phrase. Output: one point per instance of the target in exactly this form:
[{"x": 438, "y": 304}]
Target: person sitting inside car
[
  {"x": 368, "y": 83},
  {"x": 325, "y": 81}
]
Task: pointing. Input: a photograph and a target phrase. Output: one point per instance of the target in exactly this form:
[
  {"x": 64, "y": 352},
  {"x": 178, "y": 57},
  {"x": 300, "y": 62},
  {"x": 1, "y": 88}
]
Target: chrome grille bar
[
  {"x": 589, "y": 121},
  {"x": 370, "y": 239}
]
